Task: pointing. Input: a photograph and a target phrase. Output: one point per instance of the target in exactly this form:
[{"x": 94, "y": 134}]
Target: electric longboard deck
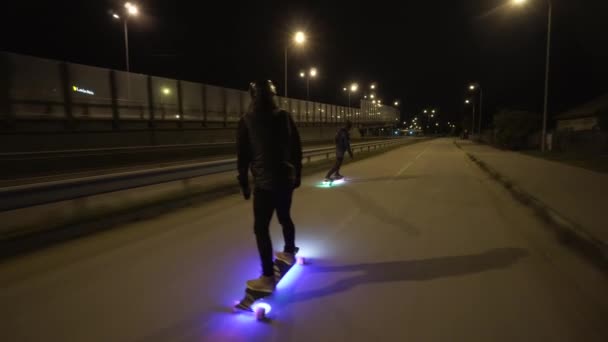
[{"x": 252, "y": 296}]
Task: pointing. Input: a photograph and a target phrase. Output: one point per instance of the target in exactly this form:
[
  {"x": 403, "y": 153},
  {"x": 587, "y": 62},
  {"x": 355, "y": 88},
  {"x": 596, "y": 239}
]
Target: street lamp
[
  {"x": 467, "y": 101},
  {"x": 474, "y": 87},
  {"x": 547, "y": 67},
  {"x": 373, "y": 86},
  {"x": 396, "y": 103},
  {"x": 312, "y": 74},
  {"x": 298, "y": 39},
  {"x": 131, "y": 10}
]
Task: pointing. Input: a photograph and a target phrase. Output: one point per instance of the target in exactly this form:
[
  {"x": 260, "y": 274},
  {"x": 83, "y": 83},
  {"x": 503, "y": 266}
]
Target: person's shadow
[{"x": 411, "y": 270}]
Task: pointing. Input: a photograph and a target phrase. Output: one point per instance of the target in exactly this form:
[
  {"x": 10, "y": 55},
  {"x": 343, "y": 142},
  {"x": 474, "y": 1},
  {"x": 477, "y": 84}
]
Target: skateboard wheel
[
  {"x": 301, "y": 261},
  {"x": 260, "y": 313}
]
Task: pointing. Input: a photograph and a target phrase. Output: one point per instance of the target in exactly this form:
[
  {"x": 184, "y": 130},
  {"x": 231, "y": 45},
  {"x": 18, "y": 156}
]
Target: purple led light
[{"x": 262, "y": 305}]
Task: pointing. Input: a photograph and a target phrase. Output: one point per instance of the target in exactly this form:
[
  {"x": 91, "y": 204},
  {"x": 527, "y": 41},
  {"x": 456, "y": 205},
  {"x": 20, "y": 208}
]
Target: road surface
[{"x": 419, "y": 245}]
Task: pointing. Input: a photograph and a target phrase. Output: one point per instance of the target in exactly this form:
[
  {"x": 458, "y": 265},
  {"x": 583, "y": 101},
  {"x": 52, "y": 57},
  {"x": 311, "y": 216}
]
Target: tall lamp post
[
  {"x": 311, "y": 74},
  {"x": 299, "y": 39},
  {"x": 467, "y": 101},
  {"x": 473, "y": 87},
  {"x": 352, "y": 89},
  {"x": 547, "y": 68},
  {"x": 131, "y": 10}
]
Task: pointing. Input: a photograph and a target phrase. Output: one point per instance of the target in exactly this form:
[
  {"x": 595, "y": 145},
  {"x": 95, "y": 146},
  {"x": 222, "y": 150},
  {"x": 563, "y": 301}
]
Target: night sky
[{"x": 423, "y": 53}]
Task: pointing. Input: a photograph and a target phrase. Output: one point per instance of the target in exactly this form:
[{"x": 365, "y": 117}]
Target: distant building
[{"x": 583, "y": 118}]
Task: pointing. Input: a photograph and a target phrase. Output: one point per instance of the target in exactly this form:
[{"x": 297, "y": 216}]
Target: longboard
[
  {"x": 334, "y": 179},
  {"x": 251, "y": 296}
]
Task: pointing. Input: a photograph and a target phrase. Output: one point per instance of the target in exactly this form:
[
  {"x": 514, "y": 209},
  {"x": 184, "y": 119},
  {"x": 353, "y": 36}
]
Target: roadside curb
[{"x": 567, "y": 231}]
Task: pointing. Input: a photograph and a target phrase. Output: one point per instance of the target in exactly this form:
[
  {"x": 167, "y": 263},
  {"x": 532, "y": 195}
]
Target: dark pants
[
  {"x": 336, "y": 168},
  {"x": 265, "y": 202}
]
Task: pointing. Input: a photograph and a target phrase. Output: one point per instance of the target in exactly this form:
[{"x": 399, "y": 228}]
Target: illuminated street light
[
  {"x": 433, "y": 111},
  {"x": 372, "y": 96},
  {"x": 473, "y": 87},
  {"x": 354, "y": 87},
  {"x": 467, "y": 101},
  {"x": 425, "y": 111},
  {"x": 396, "y": 103},
  {"x": 131, "y": 10},
  {"x": 166, "y": 91},
  {"x": 299, "y": 39},
  {"x": 373, "y": 86},
  {"x": 547, "y": 67},
  {"x": 311, "y": 74}
]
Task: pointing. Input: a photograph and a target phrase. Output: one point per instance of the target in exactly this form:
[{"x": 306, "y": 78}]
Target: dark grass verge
[
  {"x": 597, "y": 163},
  {"x": 102, "y": 219},
  {"x": 568, "y": 233}
]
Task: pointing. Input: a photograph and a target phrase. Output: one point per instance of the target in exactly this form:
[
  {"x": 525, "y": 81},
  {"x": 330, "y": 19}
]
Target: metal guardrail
[
  {"x": 22, "y": 196},
  {"x": 128, "y": 149}
]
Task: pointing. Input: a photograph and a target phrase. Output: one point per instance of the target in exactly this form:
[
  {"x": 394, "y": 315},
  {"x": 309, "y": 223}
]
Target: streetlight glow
[
  {"x": 166, "y": 91},
  {"x": 354, "y": 87},
  {"x": 131, "y": 9},
  {"x": 373, "y": 86},
  {"x": 467, "y": 101},
  {"x": 313, "y": 72},
  {"x": 425, "y": 111},
  {"x": 472, "y": 87},
  {"x": 519, "y": 2},
  {"x": 396, "y": 103},
  {"x": 302, "y": 74},
  {"x": 116, "y": 16},
  {"x": 300, "y": 37}
]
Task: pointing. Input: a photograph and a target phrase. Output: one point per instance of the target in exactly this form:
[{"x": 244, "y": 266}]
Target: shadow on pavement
[{"x": 412, "y": 270}]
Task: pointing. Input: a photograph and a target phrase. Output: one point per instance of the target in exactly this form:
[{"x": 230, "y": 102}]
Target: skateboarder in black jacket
[
  {"x": 269, "y": 144},
  {"x": 342, "y": 146}
]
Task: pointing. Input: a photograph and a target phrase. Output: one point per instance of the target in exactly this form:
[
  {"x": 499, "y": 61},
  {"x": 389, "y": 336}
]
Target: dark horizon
[{"x": 417, "y": 54}]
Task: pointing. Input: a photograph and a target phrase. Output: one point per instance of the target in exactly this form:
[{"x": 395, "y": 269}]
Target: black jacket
[
  {"x": 343, "y": 143},
  {"x": 269, "y": 144}
]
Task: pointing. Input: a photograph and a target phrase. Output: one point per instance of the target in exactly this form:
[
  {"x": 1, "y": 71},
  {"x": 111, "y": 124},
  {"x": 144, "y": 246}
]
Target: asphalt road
[{"x": 418, "y": 245}]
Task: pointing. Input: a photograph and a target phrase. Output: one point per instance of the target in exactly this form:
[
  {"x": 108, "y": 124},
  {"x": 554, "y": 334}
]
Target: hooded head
[{"x": 263, "y": 94}]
